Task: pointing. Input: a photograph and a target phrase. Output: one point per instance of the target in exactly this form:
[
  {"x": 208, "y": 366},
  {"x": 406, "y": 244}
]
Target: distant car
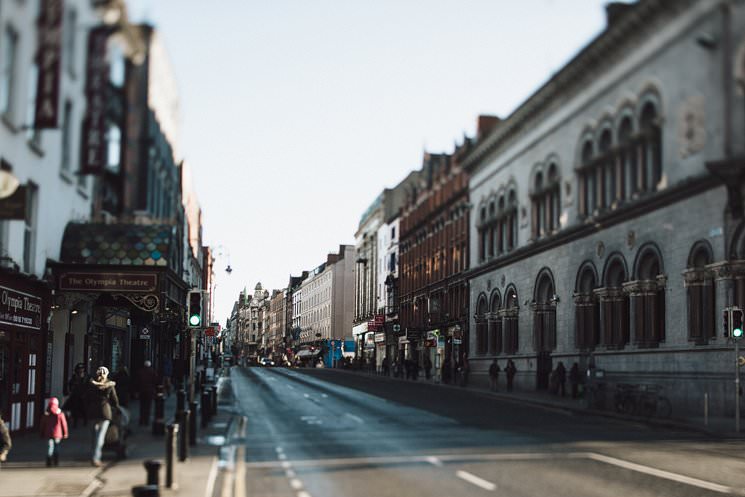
[{"x": 265, "y": 361}]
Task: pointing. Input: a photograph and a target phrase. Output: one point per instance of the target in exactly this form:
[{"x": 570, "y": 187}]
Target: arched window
[
  {"x": 511, "y": 216},
  {"x": 495, "y": 324},
  {"x": 482, "y": 234},
  {"x": 509, "y": 324},
  {"x": 700, "y": 290},
  {"x": 554, "y": 197},
  {"x": 538, "y": 207},
  {"x": 481, "y": 325},
  {"x": 651, "y": 141},
  {"x": 627, "y": 159},
  {"x": 647, "y": 295},
  {"x": 587, "y": 181},
  {"x": 501, "y": 244},
  {"x": 605, "y": 171},
  {"x": 491, "y": 231},
  {"x": 614, "y": 304},
  {"x": 586, "y": 309},
  {"x": 544, "y": 314}
]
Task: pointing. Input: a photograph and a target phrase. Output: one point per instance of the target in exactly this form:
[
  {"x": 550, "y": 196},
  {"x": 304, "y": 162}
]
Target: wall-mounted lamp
[{"x": 74, "y": 311}]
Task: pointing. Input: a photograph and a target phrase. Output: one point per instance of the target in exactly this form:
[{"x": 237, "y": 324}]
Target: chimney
[
  {"x": 485, "y": 125},
  {"x": 615, "y": 11}
]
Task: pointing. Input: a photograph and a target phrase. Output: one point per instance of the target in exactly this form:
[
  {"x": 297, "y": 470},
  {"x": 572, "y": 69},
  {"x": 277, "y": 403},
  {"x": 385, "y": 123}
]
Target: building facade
[{"x": 607, "y": 222}]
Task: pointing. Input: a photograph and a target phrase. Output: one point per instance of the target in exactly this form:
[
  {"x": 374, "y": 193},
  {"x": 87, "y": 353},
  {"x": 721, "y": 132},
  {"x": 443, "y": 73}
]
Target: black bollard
[
  {"x": 153, "y": 468},
  {"x": 205, "y": 410},
  {"x": 183, "y": 417},
  {"x": 213, "y": 397},
  {"x": 171, "y": 442},
  {"x": 181, "y": 400},
  {"x": 145, "y": 491},
  {"x": 159, "y": 422},
  {"x": 193, "y": 424}
]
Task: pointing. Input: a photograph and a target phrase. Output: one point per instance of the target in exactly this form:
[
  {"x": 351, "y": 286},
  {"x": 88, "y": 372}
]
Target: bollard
[
  {"x": 145, "y": 491},
  {"x": 183, "y": 417},
  {"x": 181, "y": 400},
  {"x": 214, "y": 400},
  {"x": 193, "y": 424},
  {"x": 159, "y": 423},
  {"x": 171, "y": 441},
  {"x": 205, "y": 410},
  {"x": 153, "y": 468}
]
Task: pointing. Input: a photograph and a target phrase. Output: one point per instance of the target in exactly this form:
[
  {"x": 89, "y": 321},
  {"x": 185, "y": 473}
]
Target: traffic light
[
  {"x": 736, "y": 323},
  {"x": 725, "y": 320},
  {"x": 195, "y": 309}
]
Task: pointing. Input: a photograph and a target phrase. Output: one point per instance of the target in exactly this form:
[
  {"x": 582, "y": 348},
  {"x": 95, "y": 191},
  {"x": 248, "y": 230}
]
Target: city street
[{"x": 317, "y": 432}]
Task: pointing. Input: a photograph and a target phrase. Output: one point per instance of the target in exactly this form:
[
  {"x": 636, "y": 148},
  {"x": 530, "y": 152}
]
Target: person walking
[
  {"x": 385, "y": 366},
  {"x": 447, "y": 368},
  {"x": 427, "y": 366},
  {"x": 494, "y": 375},
  {"x": 53, "y": 427},
  {"x": 465, "y": 369},
  {"x": 561, "y": 378},
  {"x": 123, "y": 386},
  {"x": 510, "y": 370},
  {"x": 574, "y": 378},
  {"x": 101, "y": 399},
  {"x": 147, "y": 380},
  {"x": 5, "y": 442},
  {"x": 76, "y": 390}
]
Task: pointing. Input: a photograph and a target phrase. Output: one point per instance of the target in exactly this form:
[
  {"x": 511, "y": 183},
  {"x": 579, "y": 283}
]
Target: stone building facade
[{"x": 607, "y": 223}]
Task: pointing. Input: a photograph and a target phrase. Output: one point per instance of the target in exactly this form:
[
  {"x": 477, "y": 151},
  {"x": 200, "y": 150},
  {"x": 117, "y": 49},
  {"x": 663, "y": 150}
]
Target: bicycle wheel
[{"x": 664, "y": 407}]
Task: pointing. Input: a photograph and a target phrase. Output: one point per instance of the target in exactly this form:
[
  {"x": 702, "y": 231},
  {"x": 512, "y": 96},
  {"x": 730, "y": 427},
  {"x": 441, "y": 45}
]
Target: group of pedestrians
[
  {"x": 90, "y": 399},
  {"x": 558, "y": 378},
  {"x": 509, "y": 370}
]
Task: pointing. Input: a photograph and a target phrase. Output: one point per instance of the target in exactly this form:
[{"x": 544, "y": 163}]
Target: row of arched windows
[
  {"x": 611, "y": 310},
  {"x": 497, "y": 226}
]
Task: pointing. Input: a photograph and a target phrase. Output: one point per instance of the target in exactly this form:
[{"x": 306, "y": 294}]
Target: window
[
  {"x": 700, "y": 291},
  {"x": 614, "y": 305},
  {"x": 545, "y": 201},
  {"x": 481, "y": 326},
  {"x": 647, "y": 294},
  {"x": 7, "y": 70},
  {"x": 66, "y": 137},
  {"x": 495, "y": 325},
  {"x": 510, "y": 321},
  {"x": 586, "y": 310},
  {"x": 544, "y": 315},
  {"x": 651, "y": 147},
  {"x": 32, "y": 134},
  {"x": 71, "y": 26},
  {"x": 29, "y": 232}
]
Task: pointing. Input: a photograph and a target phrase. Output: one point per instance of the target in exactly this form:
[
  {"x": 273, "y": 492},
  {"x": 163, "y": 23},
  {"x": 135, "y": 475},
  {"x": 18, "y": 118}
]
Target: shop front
[{"x": 24, "y": 353}]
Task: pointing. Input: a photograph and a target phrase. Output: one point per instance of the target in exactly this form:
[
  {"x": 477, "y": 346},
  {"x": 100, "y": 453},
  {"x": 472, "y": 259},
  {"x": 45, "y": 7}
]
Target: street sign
[
  {"x": 210, "y": 332},
  {"x": 396, "y": 328},
  {"x": 144, "y": 334}
]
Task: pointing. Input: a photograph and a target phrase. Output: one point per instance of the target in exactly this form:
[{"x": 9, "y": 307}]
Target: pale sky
[{"x": 297, "y": 113}]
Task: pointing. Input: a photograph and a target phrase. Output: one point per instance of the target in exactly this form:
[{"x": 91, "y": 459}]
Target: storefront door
[{"x": 24, "y": 381}]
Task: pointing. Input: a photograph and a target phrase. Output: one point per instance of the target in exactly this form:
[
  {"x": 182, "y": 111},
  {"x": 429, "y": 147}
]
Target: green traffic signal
[
  {"x": 194, "y": 320},
  {"x": 737, "y": 333}
]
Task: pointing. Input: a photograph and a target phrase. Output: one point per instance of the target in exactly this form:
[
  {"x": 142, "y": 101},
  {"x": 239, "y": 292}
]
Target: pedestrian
[
  {"x": 76, "y": 389},
  {"x": 53, "y": 427},
  {"x": 147, "y": 380},
  {"x": 494, "y": 375},
  {"x": 510, "y": 370},
  {"x": 447, "y": 367},
  {"x": 123, "y": 385},
  {"x": 408, "y": 366},
  {"x": 385, "y": 366},
  {"x": 427, "y": 366},
  {"x": 5, "y": 442},
  {"x": 101, "y": 399},
  {"x": 561, "y": 378},
  {"x": 574, "y": 378},
  {"x": 465, "y": 369},
  {"x": 415, "y": 369}
]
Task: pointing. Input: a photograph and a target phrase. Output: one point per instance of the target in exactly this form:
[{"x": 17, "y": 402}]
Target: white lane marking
[
  {"x": 479, "y": 482},
  {"x": 210, "y": 488},
  {"x": 434, "y": 461},
  {"x": 290, "y": 387},
  {"x": 289, "y": 473},
  {"x": 296, "y": 484},
  {"x": 306, "y": 395},
  {"x": 281, "y": 457},
  {"x": 228, "y": 484},
  {"x": 285, "y": 464},
  {"x": 325, "y": 396},
  {"x": 659, "y": 473},
  {"x": 356, "y": 418},
  {"x": 239, "y": 489},
  {"x": 279, "y": 449},
  {"x": 303, "y": 494}
]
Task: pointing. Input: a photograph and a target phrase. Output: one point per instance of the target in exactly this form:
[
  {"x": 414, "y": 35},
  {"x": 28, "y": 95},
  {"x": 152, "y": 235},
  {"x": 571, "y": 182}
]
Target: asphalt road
[{"x": 326, "y": 433}]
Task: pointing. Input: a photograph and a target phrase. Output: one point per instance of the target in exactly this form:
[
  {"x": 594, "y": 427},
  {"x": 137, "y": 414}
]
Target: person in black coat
[
  {"x": 101, "y": 400},
  {"x": 123, "y": 386},
  {"x": 561, "y": 378},
  {"x": 76, "y": 390},
  {"x": 574, "y": 378}
]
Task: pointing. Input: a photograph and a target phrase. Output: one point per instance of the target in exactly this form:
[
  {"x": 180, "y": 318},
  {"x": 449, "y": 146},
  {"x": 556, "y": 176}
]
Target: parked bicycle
[{"x": 641, "y": 400}]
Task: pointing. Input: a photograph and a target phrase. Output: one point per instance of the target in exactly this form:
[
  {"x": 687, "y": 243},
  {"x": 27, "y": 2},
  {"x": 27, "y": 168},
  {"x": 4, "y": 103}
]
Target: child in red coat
[{"x": 54, "y": 429}]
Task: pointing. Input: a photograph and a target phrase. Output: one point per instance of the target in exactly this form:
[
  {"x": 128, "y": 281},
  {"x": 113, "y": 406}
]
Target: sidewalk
[
  {"x": 718, "y": 426},
  {"x": 25, "y": 474}
]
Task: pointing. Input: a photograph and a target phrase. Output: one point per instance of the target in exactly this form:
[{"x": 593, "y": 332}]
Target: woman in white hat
[{"x": 101, "y": 399}]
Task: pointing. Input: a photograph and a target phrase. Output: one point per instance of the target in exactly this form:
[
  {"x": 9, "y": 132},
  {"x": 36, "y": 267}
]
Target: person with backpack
[{"x": 54, "y": 428}]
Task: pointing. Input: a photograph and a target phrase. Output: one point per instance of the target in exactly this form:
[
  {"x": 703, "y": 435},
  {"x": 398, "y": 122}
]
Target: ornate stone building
[{"x": 607, "y": 220}]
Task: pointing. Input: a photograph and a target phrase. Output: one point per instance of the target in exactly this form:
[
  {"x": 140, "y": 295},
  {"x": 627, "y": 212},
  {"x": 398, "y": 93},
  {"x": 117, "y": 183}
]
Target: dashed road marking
[
  {"x": 303, "y": 494},
  {"x": 306, "y": 395},
  {"x": 279, "y": 449},
  {"x": 325, "y": 396},
  {"x": 285, "y": 464},
  {"x": 281, "y": 457},
  {"x": 296, "y": 484},
  {"x": 356, "y": 418},
  {"x": 434, "y": 461},
  {"x": 289, "y": 473},
  {"x": 479, "y": 482}
]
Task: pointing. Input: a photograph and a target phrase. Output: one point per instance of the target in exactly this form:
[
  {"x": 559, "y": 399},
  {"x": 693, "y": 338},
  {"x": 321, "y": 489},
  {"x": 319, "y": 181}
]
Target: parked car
[{"x": 265, "y": 361}]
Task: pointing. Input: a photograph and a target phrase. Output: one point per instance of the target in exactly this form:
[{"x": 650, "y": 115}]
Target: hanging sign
[
  {"x": 48, "y": 59},
  {"x": 93, "y": 153}
]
